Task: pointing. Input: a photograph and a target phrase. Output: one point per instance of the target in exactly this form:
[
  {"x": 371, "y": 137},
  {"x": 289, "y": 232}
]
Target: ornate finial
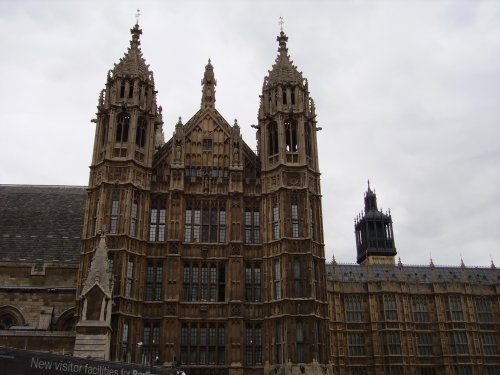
[
  {"x": 368, "y": 184},
  {"x": 281, "y": 22},
  {"x": 462, "y": 264},
  {"x": 137, "y": 15}
]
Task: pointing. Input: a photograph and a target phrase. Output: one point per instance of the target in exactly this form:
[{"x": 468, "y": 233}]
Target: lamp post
[{"x": 138, "y": 354}]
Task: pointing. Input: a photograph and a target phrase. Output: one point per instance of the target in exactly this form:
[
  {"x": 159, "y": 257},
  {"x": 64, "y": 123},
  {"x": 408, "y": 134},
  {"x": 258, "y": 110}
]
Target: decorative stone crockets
[{"x": 98, "y": 286}]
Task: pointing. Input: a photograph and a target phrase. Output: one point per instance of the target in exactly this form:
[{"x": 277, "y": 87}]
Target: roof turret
[
  {"x": 283, "y": 70},
  {"x": 208, "y": 91},
  {"x": 133, "y": 64}
]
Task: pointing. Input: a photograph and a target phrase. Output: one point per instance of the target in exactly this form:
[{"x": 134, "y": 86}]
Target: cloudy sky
[{"x": 407, "y": 94}]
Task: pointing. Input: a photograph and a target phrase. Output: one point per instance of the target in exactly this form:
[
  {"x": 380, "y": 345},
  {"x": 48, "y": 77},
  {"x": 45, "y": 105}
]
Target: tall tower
[
  {"x": 294, "y": 263},
  {"x": 128, "y": 131},
  {"x": 374, "y": 235}
]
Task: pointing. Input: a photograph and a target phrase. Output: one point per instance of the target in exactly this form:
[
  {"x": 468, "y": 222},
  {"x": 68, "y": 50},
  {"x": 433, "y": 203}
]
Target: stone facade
[{"x": 201, "y": 253}]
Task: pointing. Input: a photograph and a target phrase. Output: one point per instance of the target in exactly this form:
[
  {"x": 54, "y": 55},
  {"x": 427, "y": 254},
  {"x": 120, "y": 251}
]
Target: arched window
[
  {"x": 9, "y": 317},
  {"x": 140, "y": 135},
  {"x": 273, "y": 139},
  {"x": 122, "y": 127},
  {"x": 122, "y": 89},
  {"x": 66, "y": 322},
  {"x": 291, "y": 135}
]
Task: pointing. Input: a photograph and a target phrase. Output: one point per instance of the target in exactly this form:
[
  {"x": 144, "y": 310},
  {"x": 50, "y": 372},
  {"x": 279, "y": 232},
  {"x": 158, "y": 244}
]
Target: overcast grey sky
[{"x": 407, "y": 94}]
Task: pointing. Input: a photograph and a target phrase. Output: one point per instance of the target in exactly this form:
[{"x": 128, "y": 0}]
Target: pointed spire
[
  {"x": 283, "y": 70},
  {"x": 208, "y": 82},
  {"x": 99, "y": 269},
  {"x": 370, "y": 199},
  {"x": 132, "y": 63}
]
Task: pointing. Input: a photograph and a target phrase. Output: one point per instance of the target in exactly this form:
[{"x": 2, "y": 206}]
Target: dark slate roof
[
  {"x": 412, "y": 274},
  {"x": 41, "y": 224}
]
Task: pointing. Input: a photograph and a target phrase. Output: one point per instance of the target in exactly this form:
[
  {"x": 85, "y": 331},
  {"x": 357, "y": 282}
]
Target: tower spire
[{"x": 208, "y": 91}]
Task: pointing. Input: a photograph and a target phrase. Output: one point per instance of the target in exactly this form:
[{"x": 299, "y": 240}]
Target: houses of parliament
[{"x": 201, "y": 254}]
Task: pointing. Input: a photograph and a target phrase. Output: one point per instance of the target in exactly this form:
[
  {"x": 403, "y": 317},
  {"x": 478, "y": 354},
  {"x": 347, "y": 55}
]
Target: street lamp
[{"x": 139, "y": 347}]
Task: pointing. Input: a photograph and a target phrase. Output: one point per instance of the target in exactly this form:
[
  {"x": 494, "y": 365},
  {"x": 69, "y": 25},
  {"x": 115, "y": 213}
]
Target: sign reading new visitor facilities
[{"x": 26, "y": 362}]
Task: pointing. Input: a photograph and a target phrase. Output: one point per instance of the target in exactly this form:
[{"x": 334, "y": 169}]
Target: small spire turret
[{"x": 208, "y": 82}]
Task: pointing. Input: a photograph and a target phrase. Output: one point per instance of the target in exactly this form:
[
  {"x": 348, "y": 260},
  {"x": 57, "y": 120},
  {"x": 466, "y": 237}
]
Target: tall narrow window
[
  {"x": 392, "y": 343},
  {"x": 133, "y": 220},
  {"x": 105, "y": 128},
  {"x": 203, "y": 344},
  {"x": 353, "y": 308},
  {"x": 388, "y": 307},
  {"x": 122, "y": 89},
  {"x": 297, "y": 278},
  {"x": 284, "y": 97},
  {"x": 356, "y": 344},
  {"x": 312, "y": 220},
  {"x": 460, "y": 342},
  {"x": 140, "y": 135},
  {"x": 277, "y": 279},
  {"x": 151, "y": 344},
  {"x": 157, "y": 222},
  {"x": 424, "y": 343},
  {"x": 420, "y": 310},
  {"x": 154, "y": 281},
  {"x": 252, "y": 226},
  {"x": 203, "y": 282},
  {"x": 295, "y": 218},
  {"x": 278, "y": 337},
  {"x": 253, "y": 344},
  {"x": 291, "y": 135},
  {"x": 252, "y": 283},
  {"x": 122, "y": 127},
  {"x": 300, "y": 341},
  {"x": 454, "y": 310},
  {"x": 489, "y": 342},
  {"x": 276, "y": 227},
  {"x": 113, "y": 225},
  {"x": 308, "y": 139},
  {"x": 206, "y": 224},
  {"x": 483, "y": 310},
  {"x": 130, "y": 90},
  {"x": 125, "y": 355},
  {"x": 273, "y": 138},
  {"x": 96, "y": 217},
  {"x": 129, "y": 285}
]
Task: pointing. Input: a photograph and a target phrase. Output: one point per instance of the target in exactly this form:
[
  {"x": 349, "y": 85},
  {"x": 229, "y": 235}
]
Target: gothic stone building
[{"x": 204, "y": 254}]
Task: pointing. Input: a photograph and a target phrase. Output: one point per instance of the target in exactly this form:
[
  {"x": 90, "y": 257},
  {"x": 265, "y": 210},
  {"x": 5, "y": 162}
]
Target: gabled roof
[{"x": 41, "y": 224}]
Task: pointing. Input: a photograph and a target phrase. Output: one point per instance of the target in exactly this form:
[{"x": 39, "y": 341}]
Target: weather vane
[
  {"x": 281, "y": 22},
  {"x": 137, "y": 16}
]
